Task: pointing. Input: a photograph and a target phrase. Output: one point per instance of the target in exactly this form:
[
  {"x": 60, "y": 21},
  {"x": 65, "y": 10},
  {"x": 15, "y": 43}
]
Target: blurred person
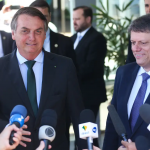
[
  {"x": 130, "y": 56},
  {"x": 127, "y": 145},
  {"x": 38, "y": 80},
  {"x": 42, "y": 146},
  {"x": 131, "y": 87},
  {"x": 90, "y": 48}
]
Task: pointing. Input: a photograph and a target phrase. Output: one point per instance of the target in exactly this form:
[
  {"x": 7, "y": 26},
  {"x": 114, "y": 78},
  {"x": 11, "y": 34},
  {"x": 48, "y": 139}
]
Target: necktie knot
[
  {"x": 145, "y": 76},
  {"x": 30, "y": 64}
]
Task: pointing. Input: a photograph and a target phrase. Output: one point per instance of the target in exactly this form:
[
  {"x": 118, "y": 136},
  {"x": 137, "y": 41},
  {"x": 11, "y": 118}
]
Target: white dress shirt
[
  {"x": 136, "y": 86},
  {"x": 46, "y": 44},
  {"x": 1, "y": 47},
  {"x": 37, "y": 69},
  {"x": 80, "y": 36}
]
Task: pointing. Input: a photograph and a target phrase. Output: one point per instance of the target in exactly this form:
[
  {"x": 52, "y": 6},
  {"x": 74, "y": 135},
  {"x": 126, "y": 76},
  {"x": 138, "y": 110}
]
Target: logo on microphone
[
  {"x": 49, "y": 132},
  {"x": 94, "y": 129},
  {"x": 84, "y": 127}
]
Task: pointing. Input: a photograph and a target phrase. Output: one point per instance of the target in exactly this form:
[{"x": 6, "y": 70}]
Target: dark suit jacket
[
  {"x": 90, "y": 55},
  {"x": 7, "y": 42},
  {"x": 60, "y": 90},
  {"x": 62, "y": 45},
  {"x": 124, "y": 81},
  {"x": 130, "y": 57}
]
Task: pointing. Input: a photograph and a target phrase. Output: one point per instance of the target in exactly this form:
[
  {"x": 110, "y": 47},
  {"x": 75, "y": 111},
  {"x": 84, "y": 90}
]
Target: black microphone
[
  {"x": 118, "y": 125},
  {"x": 88, "y": 129},
  {"x": 17, "y": 116},
  {"x": 48, "y": 124},
  {"x": 142, "y": 143}
]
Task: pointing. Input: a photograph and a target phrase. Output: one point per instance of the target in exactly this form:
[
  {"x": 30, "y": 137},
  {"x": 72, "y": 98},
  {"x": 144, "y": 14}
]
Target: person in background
[{"x": 90, "y": 48}]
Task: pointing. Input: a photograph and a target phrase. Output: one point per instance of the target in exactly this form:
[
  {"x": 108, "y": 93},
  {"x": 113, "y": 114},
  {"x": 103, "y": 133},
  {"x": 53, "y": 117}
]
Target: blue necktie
[{"x": 138, "y": 101}]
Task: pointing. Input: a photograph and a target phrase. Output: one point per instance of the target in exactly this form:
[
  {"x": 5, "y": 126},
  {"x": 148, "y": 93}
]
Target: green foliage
[{"x": 115, "y": 29}]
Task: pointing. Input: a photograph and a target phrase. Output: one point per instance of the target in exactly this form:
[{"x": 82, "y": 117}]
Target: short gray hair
[
  {"x": 31, "y": 12},
  {"x": 141, "y": 24}
]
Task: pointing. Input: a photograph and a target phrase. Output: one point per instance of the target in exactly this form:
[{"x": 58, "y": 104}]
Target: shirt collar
[
  {"x": 141, "y": 71},
  {"x": 83, "y": 32},
  {"x": 22, "y": 60}
]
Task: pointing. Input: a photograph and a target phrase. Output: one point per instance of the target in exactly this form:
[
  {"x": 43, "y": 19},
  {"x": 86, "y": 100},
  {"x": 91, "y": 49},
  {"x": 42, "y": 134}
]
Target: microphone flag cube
[{"x": 88, "y": 130}]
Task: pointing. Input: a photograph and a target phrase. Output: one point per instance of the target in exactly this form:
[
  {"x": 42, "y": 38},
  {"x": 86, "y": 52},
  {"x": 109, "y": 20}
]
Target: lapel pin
[
  {"x": 56, "y": 45},
  {"x": 55, "y": 66},
  {"x": 4, "y": 37}
]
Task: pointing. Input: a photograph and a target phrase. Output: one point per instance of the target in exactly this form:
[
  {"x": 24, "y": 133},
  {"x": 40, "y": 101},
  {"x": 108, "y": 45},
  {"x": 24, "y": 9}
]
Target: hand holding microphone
[
  {"x": 18, "y": 117},
  {"x": 4, "y": 137}
]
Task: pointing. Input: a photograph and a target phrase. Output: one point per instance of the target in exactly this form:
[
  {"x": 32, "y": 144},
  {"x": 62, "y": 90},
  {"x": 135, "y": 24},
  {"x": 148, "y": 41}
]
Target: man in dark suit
[
  {"x": 6, "y": 43},
  {"x": 55, "y": 42},
  {"x": 90, "y": 49},
  {"x": 54, "y": 82},
  {"x": 130, "y": 56},
  {"x": 132, "y": 86}
]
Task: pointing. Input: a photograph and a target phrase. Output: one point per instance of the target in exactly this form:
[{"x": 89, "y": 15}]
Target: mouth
[
  {"x": 138, "y": 56},
  {"x": 30, "y": 44}
]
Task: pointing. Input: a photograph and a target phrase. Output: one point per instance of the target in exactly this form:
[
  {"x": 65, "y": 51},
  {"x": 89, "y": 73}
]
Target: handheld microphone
[
  {"x": 48, "y": 124},
  {"x": 118, "y": 125},
  {"x": 17, "y": 116},
  {"x": 145, "y": 114},
  {"x": 88, "y": 129},
  {"x": 142, "y": 143}
]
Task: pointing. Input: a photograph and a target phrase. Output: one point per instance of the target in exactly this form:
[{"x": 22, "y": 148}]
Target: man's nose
[
  {"x": 136, "y": 47},
  {"x": 32, "y": 36}
]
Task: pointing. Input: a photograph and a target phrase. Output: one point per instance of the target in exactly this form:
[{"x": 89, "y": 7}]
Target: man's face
[
  {"x": 147, "y": 6},
  {"x": 45, "y": 12},
  {"x": 141, "y": 48},
  {"x": 29, "y": 36},
  {"x": 80, "y": 22}
]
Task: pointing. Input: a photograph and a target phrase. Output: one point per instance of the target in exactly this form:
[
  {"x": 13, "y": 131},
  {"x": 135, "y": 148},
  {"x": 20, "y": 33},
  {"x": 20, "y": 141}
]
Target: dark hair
[
  {"x": 141, "y": 24},
  {"x": 41, "y": 4},
  {"x": 87, "y": 11},
  {"x": 31, "y": 12}
]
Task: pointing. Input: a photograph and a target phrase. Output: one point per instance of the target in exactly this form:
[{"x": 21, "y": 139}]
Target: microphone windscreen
[
  {"x": 49, "y": 117},
  {"x": 87, "y": 116},
  {"x": 118, "y": 125},
  {"x": 19, "y": 109},
  {"x": 142, "y": 143},
  {"x": 145, "y": 113}
]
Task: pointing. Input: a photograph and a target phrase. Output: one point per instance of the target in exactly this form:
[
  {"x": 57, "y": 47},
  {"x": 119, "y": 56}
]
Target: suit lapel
[
  {"x": 49, "y": 69},
  {"x": 84, "y": 39},
  {"x": 17, "y": 81},
  {"x": 54, "y": 42},
  {"x": 127, "y": 86}
]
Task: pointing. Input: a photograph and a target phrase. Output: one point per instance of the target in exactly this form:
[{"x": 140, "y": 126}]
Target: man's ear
[
  {"x": 88, "y": 19},
  {"x": 13, "y": 34}
]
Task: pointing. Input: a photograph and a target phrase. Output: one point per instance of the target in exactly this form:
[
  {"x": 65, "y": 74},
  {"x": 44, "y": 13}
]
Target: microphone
[
  {"x": 118, "y": 125},
  {"x": 145, "y": 114},
  {"x": 17, "y": 116},
  {"x": 88, "y": 129},
  {"x": 48, "y": 124},
  {"x": 142, "y": 143}
]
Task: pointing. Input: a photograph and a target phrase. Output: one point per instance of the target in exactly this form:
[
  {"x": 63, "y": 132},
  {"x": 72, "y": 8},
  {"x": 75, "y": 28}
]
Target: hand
[
  {"x": 42, "y": 145},
  {"x": 4, "y": 137},
  {"x": 127, "y": 145},
  {"x": 25, "y": 133}
]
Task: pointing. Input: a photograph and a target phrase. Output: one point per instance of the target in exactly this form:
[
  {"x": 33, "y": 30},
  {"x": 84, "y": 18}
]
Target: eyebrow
[{"x": 35, "y": 29}]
